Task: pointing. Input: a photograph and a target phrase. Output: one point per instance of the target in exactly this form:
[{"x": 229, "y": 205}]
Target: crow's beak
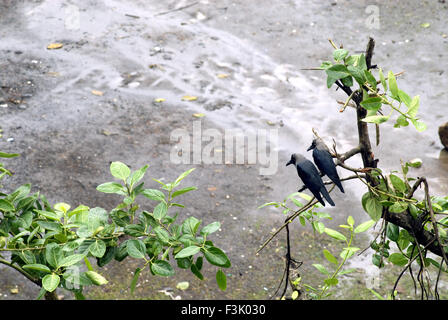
[
  {"x": 311, "y": 147},
  {"x": 289, "y": 162}
]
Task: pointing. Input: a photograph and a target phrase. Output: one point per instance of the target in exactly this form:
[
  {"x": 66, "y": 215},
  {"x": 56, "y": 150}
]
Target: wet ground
[{"x": 71, "y": 111}]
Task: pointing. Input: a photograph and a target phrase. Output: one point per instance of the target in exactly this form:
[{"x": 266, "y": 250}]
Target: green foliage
[
  {"x": 50, "y": 244},
  {"x": 348, "y": 67},
  {"x": 292, "y": 205}
]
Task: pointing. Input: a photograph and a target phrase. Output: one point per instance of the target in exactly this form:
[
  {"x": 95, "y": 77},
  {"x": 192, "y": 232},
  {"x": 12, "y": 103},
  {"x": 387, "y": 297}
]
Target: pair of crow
[{"x": 309, "y": 174}]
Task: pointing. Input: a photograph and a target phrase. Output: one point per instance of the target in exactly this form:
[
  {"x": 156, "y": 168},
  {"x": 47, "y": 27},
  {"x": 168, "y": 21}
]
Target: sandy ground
[{"x": 135, "y": 52}]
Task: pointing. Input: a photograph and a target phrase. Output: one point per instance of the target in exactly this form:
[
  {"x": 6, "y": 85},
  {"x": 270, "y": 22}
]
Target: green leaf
[
  {"x": 392, "y": 231},
  {"x": 199, "y": 263},
  {"x": 187, "y": 252},
  {"x": 53, "y": 254},
  {"x": 154, "y": 194},
  {"x": 136, "y": 249},
  {"x": 6, "y": 206},
  {"x": 398, "y": 184},
  {"x": 393, "y": 84},
  {"x": 376, "y": 119},
  {"x": 373, "y": 103},
  {"x": 134, "y": 230},
  {"x": 348, "y": 252},
  {"x": 370, "y": 79},
  {"x": 49, "y": 215},
  {"x": 98, "y": 248},
  {"x": 122, "y": 251},
  {"x": 194, "y": 269},
  {"x": 398, "y": 207},
  {"x": 268, "y": 204},
  {"x": 182, "y": 191},
  {"x": 398, "y": 259},
  {"x": 377, "y": 260},
  {"x": 97, "y": 217},
  {"x": 358, "y": 74},
  {"x": 137, "y": 175},
  {"x": 162, "y": 268},
  {"x": 112, "y": 187},
  {"x": 107, "y": 257},
  {"x": 160, "y": 210},
  {"x": 401, "y": 121},
  {"x": 190, "y": 225},
  {"x": 352, "y": 60},
  {"x": 383, "y": 80},
  {"x": 71, "y": 260},
  {"x": 404, "y": 97},
  {"x": 135, "y": 279},
  {"x": 404, "y": 239},
  {"x": 37, "y": 267},
  {"x": 53, "y": 226},
  {"x": 326, "y": 64},
  {"x": 50, "y": 282},
  {"x": 336, "y": 72},
  {"x": 419, "y": 125},
  {"x": 319, "y": 226},
  {"x": 119, "y": 170},
  {"x": 216, "y": 257},
  {"x": 330, "y": 257},
  {"x": 8, "y": 155},
  {"x": 413, "y": 107},
  {"x": 182, "y": 176},
  {"x": 321, "y": 268},
  {"x": 347, "y": 81},
  {"x": 339, "y": 54},
  {"x": 221, "y": 280},
  {"x": 350, "y": 221},
  {"x": 331, "y": 281},
  {"x": 362, "y": 64},
  {"x": 364, "y": 226},
  {"x": 335, "y": 234},
  {"x": 96, "y": 278},
  {"x": 62, "y": 206},
  {"x": 374, "y": 208},
  {"x": 212, "y": 227}
]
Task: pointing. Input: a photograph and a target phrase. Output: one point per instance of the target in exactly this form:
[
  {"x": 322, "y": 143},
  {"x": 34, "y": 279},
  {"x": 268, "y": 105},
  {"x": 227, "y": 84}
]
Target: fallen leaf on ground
[
  {"x": 183, "y": 285},
  {"x": 198, "y": 115},
  {"x": 108, "y": 133},
  {"x": 159, "y": 100},
  {"x": 223, "y": 75},
  {"x": 189, "y": 98},
  {"x": 425, "y": 25},
  {"x": 14, "y": 290},
  {"x": 97, "y": 93},
  {"x": 211, "y": 188},
  {"x": 53, "y": 46}
]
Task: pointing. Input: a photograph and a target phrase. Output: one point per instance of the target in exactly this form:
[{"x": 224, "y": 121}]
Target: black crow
[
  {"x": 324, "y": 161},
  {"x": 310, "y": 176}
]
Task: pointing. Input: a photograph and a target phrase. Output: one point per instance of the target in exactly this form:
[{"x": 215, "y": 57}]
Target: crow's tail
[{"x": 326, "y": 195}]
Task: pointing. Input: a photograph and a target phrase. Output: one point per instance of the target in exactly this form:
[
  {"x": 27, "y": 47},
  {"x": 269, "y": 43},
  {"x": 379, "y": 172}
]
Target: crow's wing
[
  {"x": 324, "y": 162},
  {"x": 310, "y": 176}
]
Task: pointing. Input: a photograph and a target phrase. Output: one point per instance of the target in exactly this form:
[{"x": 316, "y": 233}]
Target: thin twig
[
  {"x": 288, "y": 260},
  {"x": 347, "y": 102},
  {"x": 291, "y": 218},
  {"x": 177, "y": 9}
]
